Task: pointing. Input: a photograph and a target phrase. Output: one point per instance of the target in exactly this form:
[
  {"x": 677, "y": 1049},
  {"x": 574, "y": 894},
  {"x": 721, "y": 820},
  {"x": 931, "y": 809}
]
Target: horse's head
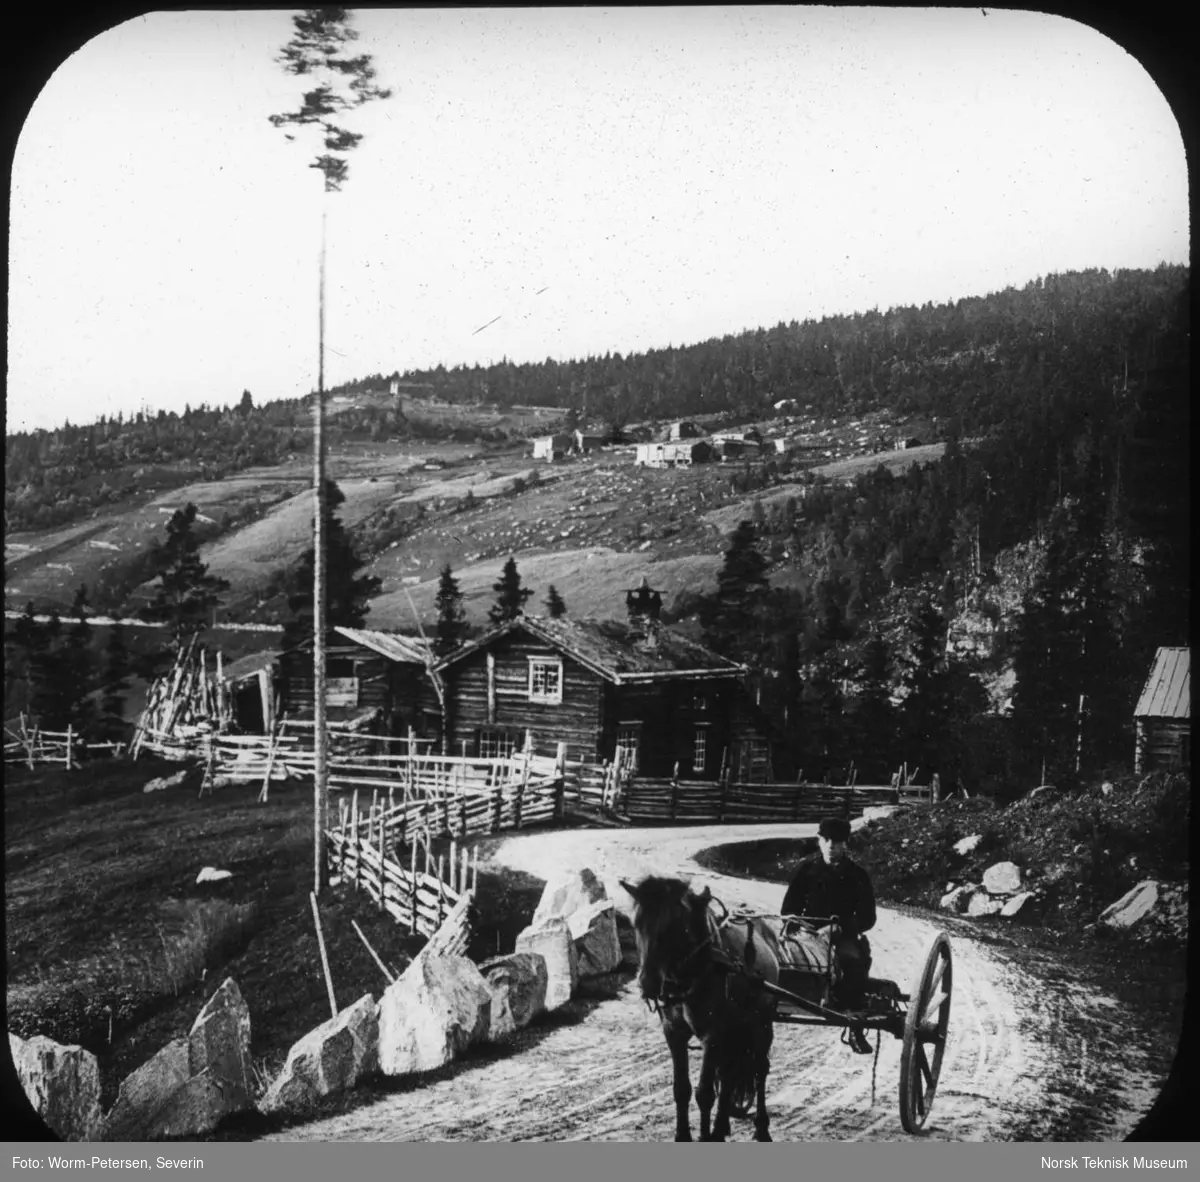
[{"x": 670, "y": 922}]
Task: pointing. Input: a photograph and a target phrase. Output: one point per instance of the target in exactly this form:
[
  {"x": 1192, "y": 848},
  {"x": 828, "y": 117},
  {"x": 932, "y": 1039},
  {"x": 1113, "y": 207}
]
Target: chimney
[{"x": 644, "y": 605}]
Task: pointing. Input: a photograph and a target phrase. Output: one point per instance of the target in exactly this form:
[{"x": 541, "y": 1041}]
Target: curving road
[{"x": 1011, "y": 1062}]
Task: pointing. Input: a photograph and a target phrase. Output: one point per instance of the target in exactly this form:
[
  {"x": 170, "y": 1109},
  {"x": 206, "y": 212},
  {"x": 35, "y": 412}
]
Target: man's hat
[{"x": 835, "y": 829}]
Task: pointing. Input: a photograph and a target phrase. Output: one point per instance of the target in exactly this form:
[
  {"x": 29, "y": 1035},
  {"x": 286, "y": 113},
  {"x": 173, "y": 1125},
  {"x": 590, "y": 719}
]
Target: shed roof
[
  {"x": 407, "y": 650},
  {"x": 1168, "y": 690},
  {"x": 609, "y": 649}
]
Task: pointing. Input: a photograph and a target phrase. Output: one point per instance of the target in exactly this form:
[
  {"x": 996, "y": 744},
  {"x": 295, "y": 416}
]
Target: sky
[{"x": 580, "y": 181}]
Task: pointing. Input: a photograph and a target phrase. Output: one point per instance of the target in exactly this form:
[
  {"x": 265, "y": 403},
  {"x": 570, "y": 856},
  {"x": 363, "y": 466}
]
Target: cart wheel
[
  {"x": 743, "y": 1099},
  {"x": 925, "y": 1036}
]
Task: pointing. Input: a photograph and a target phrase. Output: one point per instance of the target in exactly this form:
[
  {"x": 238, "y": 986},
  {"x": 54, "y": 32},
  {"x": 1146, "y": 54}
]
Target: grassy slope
[{"x": 105, "y": 919}]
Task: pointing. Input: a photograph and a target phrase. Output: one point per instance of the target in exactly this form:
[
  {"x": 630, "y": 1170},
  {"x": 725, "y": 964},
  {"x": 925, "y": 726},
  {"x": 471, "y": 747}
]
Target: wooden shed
[
  {"x": 1163, "y": 714},
  {"x": 583, "y": 443},
  {"x": 552, "y": 447},
  {"x": 679, "y": 454},
  {"x": 600, "y": 685},
  {"x": 683, "y": 430},
  {"x": 368, "y": 673}
]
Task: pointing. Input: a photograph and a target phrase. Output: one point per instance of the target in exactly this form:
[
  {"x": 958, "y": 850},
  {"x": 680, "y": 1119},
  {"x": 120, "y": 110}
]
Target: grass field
[{"x": 112, "y": 945}]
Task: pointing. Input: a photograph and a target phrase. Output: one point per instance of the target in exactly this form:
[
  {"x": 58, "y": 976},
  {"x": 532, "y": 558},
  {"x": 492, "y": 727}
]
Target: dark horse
[{"x": 699, "y": 969}]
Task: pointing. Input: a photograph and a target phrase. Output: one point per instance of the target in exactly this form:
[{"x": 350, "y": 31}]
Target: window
[
  {"x": 545, "y": 679},
  {"x": 496, "y": 744},
  {"x": 700, "y": 749},
  {"x": 699, "y": 703},
  {"x": 628, "y": 741}
]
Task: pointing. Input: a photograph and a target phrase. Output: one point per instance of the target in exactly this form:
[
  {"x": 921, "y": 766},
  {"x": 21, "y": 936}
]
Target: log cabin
[
  {"x": 380, "y": 679},
  {"x": 600, "y": 685},
  {"x": 1163, "y": 714}
]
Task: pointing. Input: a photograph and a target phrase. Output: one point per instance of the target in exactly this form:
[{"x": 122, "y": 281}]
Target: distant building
[
  {"x": 552, "y": 447},
  {"x": 684, "y": 429},
  {"x": 586, "y": 443},
  {"x": 678, "y": 454},
  {"x": 1163, "y": 714}
]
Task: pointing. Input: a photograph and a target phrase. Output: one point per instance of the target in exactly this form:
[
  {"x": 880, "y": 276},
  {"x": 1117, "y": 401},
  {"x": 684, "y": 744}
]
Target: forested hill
[
  {"x": 1087, "y": 345},
  {"x": 980, "y": 359}
]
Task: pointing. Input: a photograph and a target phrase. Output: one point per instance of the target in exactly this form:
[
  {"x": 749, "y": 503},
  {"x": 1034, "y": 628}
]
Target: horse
[{"x": 699, "y": 971}]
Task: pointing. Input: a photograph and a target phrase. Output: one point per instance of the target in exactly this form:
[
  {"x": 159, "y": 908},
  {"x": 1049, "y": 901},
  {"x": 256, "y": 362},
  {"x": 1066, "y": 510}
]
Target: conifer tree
[
  {"x": 186, "y": 593},
  {"x": 116, "y": 682},
  {"x": 349, "y": 590},
  {"x": 556, "y": 608},
  {"x": 510, "y": 595},
  {"x": 79, "y": 665},
  {"x": 451, "y": 618}
]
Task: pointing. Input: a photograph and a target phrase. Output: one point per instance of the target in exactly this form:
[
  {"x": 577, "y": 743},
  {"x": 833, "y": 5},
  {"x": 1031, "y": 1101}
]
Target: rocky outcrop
[
  {"x": 518, "y": 985},
  {"x": 62, "y": 1083},
  {"x": 435, "y": 1011},
  {"x": 1003, "y": 878},
  {"x": 329, "y": 1059},
  {"x": 552, "y": 940}
]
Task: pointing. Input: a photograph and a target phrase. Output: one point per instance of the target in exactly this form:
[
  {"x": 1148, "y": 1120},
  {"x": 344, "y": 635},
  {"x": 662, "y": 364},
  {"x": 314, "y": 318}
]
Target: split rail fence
[
  {"x": 31, "y": 745},
  {"x": 431, "y": 896}
]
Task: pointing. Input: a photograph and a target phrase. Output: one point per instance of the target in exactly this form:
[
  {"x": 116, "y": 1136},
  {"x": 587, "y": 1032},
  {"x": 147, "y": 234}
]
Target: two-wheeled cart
[{"x": 807, "y": 997}]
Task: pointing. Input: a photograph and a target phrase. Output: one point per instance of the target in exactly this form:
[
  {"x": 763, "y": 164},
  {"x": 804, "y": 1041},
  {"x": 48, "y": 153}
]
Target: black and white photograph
[{"x": 597, "y": 575}]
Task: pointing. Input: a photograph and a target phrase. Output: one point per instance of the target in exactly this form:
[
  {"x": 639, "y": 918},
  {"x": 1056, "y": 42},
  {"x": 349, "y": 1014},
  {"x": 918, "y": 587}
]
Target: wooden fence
[
  {"x": 646, "y": 800},
  {"x": 31, "y": 745},
  {"x": 430, "y": 897}
]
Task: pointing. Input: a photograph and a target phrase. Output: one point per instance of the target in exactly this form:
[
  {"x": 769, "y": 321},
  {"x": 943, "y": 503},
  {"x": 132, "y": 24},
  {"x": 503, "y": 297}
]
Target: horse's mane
[{"x": 660, "y": 906}]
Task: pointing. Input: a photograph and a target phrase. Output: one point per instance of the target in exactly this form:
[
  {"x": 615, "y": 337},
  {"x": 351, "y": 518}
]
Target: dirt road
[{"x": 1013, "y": 1060}]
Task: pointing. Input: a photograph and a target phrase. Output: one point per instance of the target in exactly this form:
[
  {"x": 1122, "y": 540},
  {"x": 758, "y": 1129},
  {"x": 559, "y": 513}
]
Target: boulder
[
  {"x": 193, "y": 1109},
  {"x": 594, "y": 931},
  {"x": 145, "y": 1091},
  {"x": 437, "y": 1009},
  {"x": 330, "y": 1058},
  {"x": 166, "y": 782},
  {"x": 1002, "y": 878},
  {"x": 62, "y": 1083},
  {"x": 1014, "y": 905},
  {"x": 958, "y": 898},
  {"x": 212, "y": 874},
  {"x": 518, "y": 986},
  {"x": 1132, "y": 907},
  {"x": 877, "y": 812},
  {"x": 219, "y": 1043},
  {"x": 967, "y": 844},
  {"x": 551, "y": 939},
  {"x": 982, "y": 903},
  {"x": 567, "y": 894}
]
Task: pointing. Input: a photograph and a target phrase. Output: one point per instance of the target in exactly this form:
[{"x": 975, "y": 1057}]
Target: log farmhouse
[
  {"x": 604, "y": 685},
  {"x": 1163, "y": 715}
]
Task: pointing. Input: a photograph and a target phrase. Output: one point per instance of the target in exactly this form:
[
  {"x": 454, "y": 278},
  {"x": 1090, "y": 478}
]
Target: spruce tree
[
  {"x": 349, "y": 591},
  {"x": 79, "y": 660},
  {"x": 556, "y": 607},
  {"x": 873, "y": 726},
  {"x": 510, "y": 595},
  {"x": 186, "y": 593},
  {"x": 116, "y": 675},
  {"x": 729, "y": 618},
  {"x": 451, "y": 618}
]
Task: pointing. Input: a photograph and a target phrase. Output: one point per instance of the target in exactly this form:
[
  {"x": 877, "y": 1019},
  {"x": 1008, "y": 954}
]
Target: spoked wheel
[{"x": 925, "y": 1036}]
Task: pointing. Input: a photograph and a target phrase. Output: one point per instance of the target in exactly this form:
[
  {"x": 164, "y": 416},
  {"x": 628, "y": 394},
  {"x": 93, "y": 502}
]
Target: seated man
[{"x": 830, "y": 883}]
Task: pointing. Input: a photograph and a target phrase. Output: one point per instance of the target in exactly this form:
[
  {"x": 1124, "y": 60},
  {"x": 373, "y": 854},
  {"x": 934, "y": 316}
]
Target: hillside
[{"x": 985, "y": 602}]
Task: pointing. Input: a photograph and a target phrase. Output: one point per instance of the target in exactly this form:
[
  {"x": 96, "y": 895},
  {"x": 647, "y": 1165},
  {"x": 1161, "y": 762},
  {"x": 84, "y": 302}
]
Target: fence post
[
  {"x": 560, "y": 776},
  {"x": 723, "y": 790},
  {"x": 412, "y": 925},
  {"x": 70, "y": 734},
  {"x": 674, "y": 790},
  {"x": 440, "y": 893}
]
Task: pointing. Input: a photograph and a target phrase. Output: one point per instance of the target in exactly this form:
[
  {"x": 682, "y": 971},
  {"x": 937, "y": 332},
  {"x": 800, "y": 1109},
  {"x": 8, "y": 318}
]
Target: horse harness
[{"x": 682, "y": 991}]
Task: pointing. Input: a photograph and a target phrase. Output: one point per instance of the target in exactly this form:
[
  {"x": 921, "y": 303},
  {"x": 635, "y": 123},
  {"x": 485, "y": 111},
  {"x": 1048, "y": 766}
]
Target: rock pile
[{"x": 1002, "y": 892}]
